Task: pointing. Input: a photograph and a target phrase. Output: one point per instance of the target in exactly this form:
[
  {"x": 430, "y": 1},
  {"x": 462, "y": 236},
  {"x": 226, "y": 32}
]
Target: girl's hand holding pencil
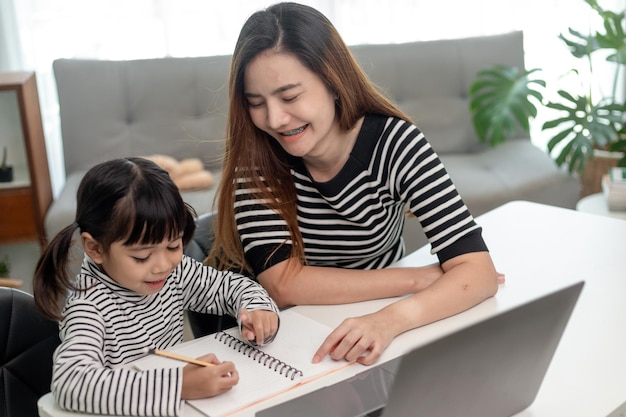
[
  {"x": 203, "y": 377},
  {"x": 207, "y": 376}
]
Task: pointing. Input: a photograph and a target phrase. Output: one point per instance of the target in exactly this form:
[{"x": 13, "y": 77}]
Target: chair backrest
[
  {"x": 27, "y": 342},
  {"x": 202, "y": 239}
]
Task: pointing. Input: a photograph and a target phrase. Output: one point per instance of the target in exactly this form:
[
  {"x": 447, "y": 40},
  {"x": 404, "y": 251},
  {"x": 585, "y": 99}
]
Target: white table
[
  {"x": 597, "y": 204},
  {"x": 539, "y": 248}
]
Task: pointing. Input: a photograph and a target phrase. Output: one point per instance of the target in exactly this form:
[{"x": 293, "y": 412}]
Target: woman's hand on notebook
[
  {"x": 258, "y": 327},
  {"x": 360, "y": 339},
  {"x": 208, "y": 381}
]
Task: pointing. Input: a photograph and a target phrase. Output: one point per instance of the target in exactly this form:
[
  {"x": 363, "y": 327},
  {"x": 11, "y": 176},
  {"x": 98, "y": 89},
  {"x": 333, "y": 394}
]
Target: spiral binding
[{"x": 258, "y": 355}]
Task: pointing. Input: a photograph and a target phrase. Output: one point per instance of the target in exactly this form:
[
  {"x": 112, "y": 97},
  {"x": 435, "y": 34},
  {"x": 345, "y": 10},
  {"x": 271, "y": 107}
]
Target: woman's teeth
[{"x": 295, "y": 131}]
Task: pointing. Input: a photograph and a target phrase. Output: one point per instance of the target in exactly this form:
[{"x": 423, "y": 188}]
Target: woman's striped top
[
  {"x": 106, "y": 326},
  {"x": 356, "y": 219}
]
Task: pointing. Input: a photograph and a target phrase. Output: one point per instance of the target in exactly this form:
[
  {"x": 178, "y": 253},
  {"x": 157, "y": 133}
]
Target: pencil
[{"x": 179, "y": 357}]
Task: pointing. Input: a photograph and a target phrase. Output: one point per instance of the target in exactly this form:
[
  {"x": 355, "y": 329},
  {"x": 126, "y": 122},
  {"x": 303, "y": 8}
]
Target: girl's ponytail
[{"x": 51, "y": 279}]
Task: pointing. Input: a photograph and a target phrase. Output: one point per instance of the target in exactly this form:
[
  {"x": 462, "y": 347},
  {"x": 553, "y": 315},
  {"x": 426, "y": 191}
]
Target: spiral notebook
[{"x": 264, "y": 372}]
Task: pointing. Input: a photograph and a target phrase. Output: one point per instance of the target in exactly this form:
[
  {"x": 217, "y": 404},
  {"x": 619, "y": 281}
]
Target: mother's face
[{"x": 290, "y": 103}]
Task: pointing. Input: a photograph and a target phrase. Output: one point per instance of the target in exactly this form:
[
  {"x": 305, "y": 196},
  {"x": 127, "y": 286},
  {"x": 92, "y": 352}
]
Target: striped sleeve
[
  {"x": 420, "y": 179},
  {"x": 83, "y": 383},
  {"x": 209, "y": 290},
  {"x": 264, "y": 234}
]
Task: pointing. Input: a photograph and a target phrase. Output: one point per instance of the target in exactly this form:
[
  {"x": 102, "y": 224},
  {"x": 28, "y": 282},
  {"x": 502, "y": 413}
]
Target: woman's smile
[
  {"x": 294, "y": 131},
  {"x": 293, "y": 135}
]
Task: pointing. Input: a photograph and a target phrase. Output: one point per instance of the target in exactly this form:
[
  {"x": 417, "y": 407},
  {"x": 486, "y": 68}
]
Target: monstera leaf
[
  {"x": 584, "y": 127},
  {"x": 502, "y": 100}
]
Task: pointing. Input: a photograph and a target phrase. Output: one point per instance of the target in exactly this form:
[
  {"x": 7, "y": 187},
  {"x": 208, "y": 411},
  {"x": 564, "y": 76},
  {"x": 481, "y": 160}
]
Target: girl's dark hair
[
  {"x": 128, "y": 200},
  {"x": 308, "y": 35}
]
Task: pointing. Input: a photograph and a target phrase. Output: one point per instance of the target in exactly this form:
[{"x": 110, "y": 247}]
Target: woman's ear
[{"x": 92, "y": 247}]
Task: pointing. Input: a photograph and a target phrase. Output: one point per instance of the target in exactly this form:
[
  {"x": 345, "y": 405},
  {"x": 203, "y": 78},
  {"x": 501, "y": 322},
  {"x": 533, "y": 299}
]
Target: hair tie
[{"x": 76, "y": 225}]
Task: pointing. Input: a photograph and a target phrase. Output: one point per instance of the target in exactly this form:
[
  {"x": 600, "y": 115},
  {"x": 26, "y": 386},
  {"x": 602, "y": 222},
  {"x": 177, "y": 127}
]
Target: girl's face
[
  {"x": 291, "y": 104},
  {"x": 142, "y": 268}
]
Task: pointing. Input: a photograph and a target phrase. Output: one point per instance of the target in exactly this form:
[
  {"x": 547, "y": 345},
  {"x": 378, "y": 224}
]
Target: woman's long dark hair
[
  {"x": 251, "y": 153},
  {"x": 128, "y": 200}
]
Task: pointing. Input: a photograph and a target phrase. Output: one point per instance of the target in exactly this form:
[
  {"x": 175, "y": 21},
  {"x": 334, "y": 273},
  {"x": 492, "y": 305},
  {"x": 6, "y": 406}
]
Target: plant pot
[
  {"x": 6, "y": 174},
  {"x": 595, "y": 168}
]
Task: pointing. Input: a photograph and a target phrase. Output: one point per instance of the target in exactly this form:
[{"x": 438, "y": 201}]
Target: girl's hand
[
  {"x": 360, "y": 339},
  {"x": 208, "y": 381},
  {"x": 259, "y": 327}
]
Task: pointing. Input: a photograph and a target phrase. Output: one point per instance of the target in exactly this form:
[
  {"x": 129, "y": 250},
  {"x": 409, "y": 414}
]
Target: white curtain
[{"x": 35, "y": 32}]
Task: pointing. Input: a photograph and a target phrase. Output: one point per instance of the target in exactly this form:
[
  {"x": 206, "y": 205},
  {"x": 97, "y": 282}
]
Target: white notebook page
[{"x": 297, "y": 340}]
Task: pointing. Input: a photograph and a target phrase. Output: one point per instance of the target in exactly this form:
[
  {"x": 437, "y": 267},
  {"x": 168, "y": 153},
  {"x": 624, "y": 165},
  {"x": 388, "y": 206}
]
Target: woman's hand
[
  {"x": 208, "y": 381},
  {"x": 364, "y": 338},
  {"x": 360, "y": 339},
  {"x": 259, "y": 327}
]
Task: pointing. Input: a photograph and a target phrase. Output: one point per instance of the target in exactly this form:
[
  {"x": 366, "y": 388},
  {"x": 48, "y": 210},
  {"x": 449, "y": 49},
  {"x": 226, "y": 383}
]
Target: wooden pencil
[{"x": 179, "y": 357}]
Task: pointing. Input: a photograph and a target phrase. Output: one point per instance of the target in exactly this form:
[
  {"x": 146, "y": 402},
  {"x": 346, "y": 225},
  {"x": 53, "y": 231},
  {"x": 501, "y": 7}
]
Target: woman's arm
[
  {"x": 467, "y": 280},
  {"x": 290, "y": 284}
]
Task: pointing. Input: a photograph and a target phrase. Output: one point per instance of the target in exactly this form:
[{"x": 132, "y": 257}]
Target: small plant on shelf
[
  {"x": 5, "y": 267},
  {"x": 6, "y": 171}
]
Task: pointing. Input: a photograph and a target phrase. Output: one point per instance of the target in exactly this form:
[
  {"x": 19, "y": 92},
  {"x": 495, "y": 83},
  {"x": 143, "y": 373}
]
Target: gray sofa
[{"x": 177, "y": 107}]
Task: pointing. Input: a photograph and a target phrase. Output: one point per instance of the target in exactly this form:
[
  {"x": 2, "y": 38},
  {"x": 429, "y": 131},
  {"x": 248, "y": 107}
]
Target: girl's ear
[{"x": 92, "y": 247}]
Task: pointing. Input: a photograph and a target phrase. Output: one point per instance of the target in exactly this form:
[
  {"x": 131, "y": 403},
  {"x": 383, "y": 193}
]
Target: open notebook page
[{"x": 281, "y": 365}]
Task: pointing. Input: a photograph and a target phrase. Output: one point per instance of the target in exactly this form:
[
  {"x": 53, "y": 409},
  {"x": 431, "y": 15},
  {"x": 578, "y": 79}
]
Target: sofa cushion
[
  {"x": 514, "y": 170},
  {"x": 110, "y": 109},
  {"x": 446, "y": 122},
  {"x": 415, "y": 69}
]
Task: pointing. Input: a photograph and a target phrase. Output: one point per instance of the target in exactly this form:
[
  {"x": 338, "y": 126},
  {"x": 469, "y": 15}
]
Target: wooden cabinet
[{"x": 24, "y": 200}]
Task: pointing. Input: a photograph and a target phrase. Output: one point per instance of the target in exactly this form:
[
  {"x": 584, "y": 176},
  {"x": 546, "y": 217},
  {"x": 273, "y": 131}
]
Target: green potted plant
[
  {"x": 6, "y": 171},
  {"x": 5, "y": 267},
  {"x": 5, "y": 273},
  {"x": 504, "y": 99}
]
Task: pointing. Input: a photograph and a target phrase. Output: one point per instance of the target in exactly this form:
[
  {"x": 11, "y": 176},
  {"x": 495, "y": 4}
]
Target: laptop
[{"x": 491, "y": 369}]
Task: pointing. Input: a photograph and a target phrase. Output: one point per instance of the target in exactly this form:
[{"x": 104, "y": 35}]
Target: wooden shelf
[{"x": 25, "y": 201}]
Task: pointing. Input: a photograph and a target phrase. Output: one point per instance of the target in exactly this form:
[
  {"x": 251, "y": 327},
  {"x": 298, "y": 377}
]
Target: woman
[{"x": 320, "y": 168}]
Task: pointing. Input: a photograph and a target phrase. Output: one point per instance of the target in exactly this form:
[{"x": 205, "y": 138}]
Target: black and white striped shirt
[
  {"x": 107, "y": 326},
  {"x": 355, "y": 220}
]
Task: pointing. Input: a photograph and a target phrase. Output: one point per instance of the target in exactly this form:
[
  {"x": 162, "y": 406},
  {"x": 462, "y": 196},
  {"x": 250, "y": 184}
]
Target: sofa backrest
[
  {"x": 430, "y": 81},
  {"x": 170, "y": 106},
  {"x": 178, "y": 106}
]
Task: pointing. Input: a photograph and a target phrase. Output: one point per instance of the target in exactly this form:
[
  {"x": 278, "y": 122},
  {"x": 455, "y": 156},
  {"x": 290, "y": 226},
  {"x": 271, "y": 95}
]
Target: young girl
[{"x": 130, "y": 296}]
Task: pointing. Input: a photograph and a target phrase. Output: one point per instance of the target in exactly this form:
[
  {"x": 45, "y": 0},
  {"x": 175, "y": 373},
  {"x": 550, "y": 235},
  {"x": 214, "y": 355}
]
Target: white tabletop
[{"x": 539, "y": 248}]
